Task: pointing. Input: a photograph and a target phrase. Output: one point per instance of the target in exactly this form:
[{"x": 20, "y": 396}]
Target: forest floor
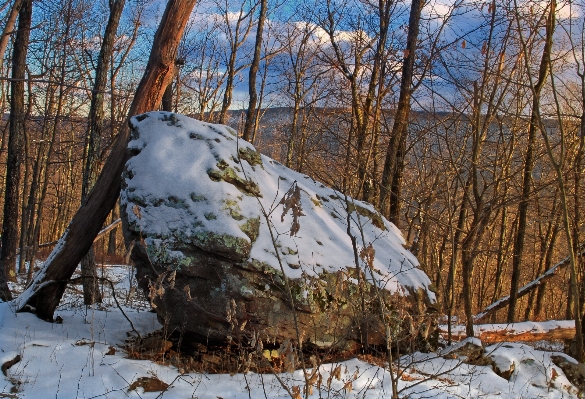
[{"x": 88, "y": 354}]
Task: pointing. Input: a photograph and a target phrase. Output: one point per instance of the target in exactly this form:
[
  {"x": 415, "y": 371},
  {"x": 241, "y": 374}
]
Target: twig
[{"x": 115, "y": 300}]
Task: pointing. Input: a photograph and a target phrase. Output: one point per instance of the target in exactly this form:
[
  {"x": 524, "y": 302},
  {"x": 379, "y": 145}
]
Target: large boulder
[{"x": 223, "y": 237}]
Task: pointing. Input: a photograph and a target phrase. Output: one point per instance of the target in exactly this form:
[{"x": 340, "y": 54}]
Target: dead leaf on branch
[
  {"x": 187, "y": 291},
  {"x": 156, "y": 289},
  {"x": 348, "y": 386},
  {"x": 336, "y": 373},
  {"x": 292, "y": 200},
  {"x": 296, "y": 392},
  {"x": 367, "y": 254},
  {"x": 232, "y": 310},
  {"x": 136, "y": 210}
]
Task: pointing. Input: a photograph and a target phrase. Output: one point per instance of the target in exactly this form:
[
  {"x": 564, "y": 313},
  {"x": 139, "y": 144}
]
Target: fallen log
[
  {"x": 527, "y": 331},
  {"x": 102, "y": 232},
  {"x": 547, "y": 275}
]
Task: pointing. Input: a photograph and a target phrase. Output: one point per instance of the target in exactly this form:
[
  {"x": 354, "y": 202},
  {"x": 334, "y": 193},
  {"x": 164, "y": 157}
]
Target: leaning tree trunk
[
  {"x": 10, "y": 22},
  {"x": 44, "y": 294},
  {"x": 91, "y": 292},
  {"x": 15, "y": 142}
]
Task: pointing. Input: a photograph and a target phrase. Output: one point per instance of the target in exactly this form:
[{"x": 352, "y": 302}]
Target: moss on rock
[
  {"x": 229, "y": 175},
  {"x": 222, "y": 243},
  {"x": 251, "y": 156},
  {"x": 251, "y": 228},
  {"x": 374, "y": 216}
]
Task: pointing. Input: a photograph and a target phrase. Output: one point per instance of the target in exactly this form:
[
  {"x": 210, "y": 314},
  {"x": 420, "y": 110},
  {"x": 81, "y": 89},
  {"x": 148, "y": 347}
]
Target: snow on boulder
[{"x": 196, "y": 205}]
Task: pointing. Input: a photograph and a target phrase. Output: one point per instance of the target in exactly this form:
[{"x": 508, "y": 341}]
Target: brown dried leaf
[
  {"x": 367, "y": 254},
  {"x": 171, "y": 279},
  {"x": 348, "y": 385},
  {"x": 292, "y": 201},
  {"x": 136, "y": 210},
  {"x": 187, "y": 291},
  {"x": 554, "y": 374},
  {"x": 296, "y": 392},
  {"x": 314, "y": 377},
  {"x": 149, "y": 384},
  {"x": 156, "y": 289},
  {"x": 336, "y": 373}
]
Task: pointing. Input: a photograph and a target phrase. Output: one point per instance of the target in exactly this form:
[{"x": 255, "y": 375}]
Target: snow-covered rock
[{"x": 223, "y": 237}]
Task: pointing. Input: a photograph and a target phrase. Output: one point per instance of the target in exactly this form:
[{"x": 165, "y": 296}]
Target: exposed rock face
[
  {"x": 196, "y": 203},
  {"x": 574, "y": 371}
]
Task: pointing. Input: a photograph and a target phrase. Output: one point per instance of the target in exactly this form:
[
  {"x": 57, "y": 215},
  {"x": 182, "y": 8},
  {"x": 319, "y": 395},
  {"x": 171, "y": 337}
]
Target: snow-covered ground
[{"x": 75, "y": 360}]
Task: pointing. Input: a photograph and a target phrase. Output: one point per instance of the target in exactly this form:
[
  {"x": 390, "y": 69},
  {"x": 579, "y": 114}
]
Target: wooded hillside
[{"x": 463, "y": 124}]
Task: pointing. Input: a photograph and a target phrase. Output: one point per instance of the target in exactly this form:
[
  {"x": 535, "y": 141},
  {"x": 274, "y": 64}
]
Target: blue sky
[{"x": 459, "y": 28}]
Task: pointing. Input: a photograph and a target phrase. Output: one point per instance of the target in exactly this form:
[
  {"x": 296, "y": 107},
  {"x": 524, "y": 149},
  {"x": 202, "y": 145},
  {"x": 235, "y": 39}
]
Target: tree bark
[
  {"x": 44, "y": 294},
  {"x": 394, "y": 163},
  {"x": 9, "y": 27},
  {"x": 249, "y": 127},
  {"x": 455, "y": 243},
  {"x": 529, "y": 165},
  {"x": 91, "y": 292},
  {"x": 167, "y": 99},
  {"x": 236, "y": 38},
  {"x": 15, "y": 156},
  {"x": 514, "y": 332}
]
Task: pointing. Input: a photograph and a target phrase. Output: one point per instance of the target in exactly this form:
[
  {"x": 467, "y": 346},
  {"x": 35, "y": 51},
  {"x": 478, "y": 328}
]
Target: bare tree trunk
[
  {"x": 42, "y": 165},
  {"x": 394, "y": 163},
  {"x": 24, "y": 212},
  {"x": 578, "y": 191},
  {"x": 237, "y": 38},
  {"x": 15, "y": 142},
  {"x": 229, "y": 88},
  {"x": 249, "y": 127},
  {"x": 91, "y": 292},
  {"x": 529, "y": 165},
  {"x": 456, "y": 237},
  {"x": 293, "y": 129},
  {"x": 44, "y": 294},
  {"x": 558, "y": 167}
]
